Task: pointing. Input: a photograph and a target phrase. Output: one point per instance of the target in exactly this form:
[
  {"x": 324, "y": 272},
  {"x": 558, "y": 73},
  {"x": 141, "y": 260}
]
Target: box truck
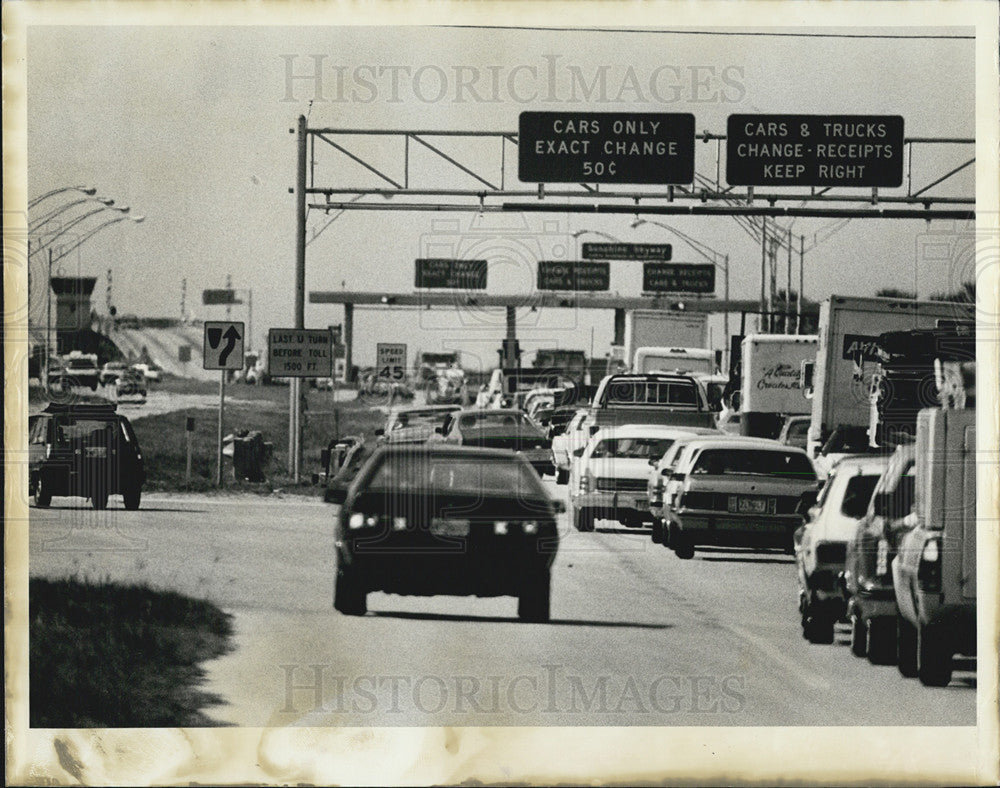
[
  {"x": 771, "y": 385},
  {"x": 661, "y": 328},
  {"x": 839, "y": 382}
]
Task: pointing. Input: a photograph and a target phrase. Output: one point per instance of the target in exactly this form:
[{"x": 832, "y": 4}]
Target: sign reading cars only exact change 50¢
[
  {"x": 605, "y": 147},
  {"x": 299, "y": 353}
]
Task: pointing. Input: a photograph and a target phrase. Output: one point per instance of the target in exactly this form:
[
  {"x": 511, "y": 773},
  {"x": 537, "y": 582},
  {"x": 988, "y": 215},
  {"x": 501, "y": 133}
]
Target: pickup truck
[{"x": 656, "y": 398}]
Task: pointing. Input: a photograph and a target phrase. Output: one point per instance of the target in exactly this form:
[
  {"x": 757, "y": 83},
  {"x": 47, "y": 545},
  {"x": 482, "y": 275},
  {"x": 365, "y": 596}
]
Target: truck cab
[{"x": 674, "y": 359}]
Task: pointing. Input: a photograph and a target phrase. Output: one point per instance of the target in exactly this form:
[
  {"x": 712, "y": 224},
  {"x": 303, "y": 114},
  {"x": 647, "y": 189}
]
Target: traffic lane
[{"x": 638, "y": 636}]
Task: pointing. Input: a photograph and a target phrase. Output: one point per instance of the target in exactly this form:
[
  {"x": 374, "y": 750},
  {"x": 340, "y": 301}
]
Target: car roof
[
  {"x": 490, "y": 411},
  {"x": 445, "y": 449},
  {"x": 654, "y": 431},
  {"x": 865, "y": 464},
  {"x": 80, "y": 409},
  {"x": 424, "y": 409},
  {"x": 742, "y": 442}
]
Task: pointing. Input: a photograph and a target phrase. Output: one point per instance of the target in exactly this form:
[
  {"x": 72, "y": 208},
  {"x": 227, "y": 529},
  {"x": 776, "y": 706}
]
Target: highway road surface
[{"x": 638, "y": 637}]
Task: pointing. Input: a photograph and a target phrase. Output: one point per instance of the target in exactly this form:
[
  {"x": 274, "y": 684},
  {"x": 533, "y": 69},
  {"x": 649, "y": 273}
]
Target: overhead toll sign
[
  {"x": 573, "y": 276},
  {"x": 454, "y": 274},
  {"x": 814, "y": 150},
  {"x": 606, "y": 147},
  {"x": 678, "y": 278},
  {"x": 592, "y": 251},
  {"x": 223, "y": 345},
  {"x": 224, "y": 296},
  {"x": 300, "y": 353}
]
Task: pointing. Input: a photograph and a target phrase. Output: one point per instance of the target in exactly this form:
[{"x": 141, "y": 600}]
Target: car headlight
[{"x": 360, "y": 520}]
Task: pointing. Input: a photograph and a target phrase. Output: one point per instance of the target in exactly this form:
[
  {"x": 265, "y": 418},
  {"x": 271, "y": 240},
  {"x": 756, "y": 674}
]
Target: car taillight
[
  {"x": 530, "y": 527},
  {"x": 929, "y": 571},
  {"x": 501, "y": 527},
  {"x": 584, "y": 483}
]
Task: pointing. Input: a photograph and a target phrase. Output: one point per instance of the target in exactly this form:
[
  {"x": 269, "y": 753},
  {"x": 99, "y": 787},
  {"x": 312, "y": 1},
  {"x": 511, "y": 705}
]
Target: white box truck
[
  {"x": 646, "y": 328},
  {"x": 846, "y": 358},
  {"x": 771, "y": 386}
]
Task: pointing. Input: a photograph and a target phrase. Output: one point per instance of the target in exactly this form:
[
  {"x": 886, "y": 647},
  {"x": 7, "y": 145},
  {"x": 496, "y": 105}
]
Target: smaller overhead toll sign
[
  {"x": 299, "y": 353},
  {"x": 814, "y": 150},
  {"x": 623, "y": 251},
  {"x": 452, "y": 274},
  {"x": 605, "y": 147},
  {"x": 573, "y": 276},
  {"x": 678, "y": 278}
]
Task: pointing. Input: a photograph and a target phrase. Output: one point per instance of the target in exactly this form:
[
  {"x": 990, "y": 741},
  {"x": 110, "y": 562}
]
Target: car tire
[
  {"x": 859, "y": 636},
  {"x": 349, "y": 598},
  {"x": 533, "y": 601},
  {"x": 132, "y": 496},
  {"x": 584, "y": 520},
  {"x": 906, "y": 647},
  {"x": 819, "y": 629},
  {"x": 42, "y": 494},
  {"x": 562, "y": 475},
  {"x": 682, "y": 545},
  {"x": 881, "y": 640},
  {"x": 656, "y": 533},
  {"x": 933, "y": 657}
]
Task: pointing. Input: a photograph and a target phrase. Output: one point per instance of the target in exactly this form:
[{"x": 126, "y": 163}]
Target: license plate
[
  {"x": 745, "y": 505},
  {"x": 97, "y": 451},
  {"x": 641, "y": 503},
  {"x": 441, "y": 526}
]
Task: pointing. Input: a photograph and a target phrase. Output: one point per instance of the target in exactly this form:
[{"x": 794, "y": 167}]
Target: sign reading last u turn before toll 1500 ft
[{"x": 606, "y": 147}]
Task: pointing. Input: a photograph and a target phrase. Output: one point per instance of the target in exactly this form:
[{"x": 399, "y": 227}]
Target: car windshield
[
  {"x": 858, "y": 494},
  {"x": 798, "y": 429},
  {"x": 757, "y": 462},
  {"x": 847, "y": 441},
  {"x": 418, "y": 418},
  {"x": 460, "y": 474},
  {"x": 632, "y": 448},
  {"x": 497, "y": 422},
  {"x": 81, "y": 363}
]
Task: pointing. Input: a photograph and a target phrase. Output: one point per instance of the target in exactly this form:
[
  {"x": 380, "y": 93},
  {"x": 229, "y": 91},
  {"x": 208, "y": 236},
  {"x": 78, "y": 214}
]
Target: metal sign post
[{"x": 222, "y": 349}]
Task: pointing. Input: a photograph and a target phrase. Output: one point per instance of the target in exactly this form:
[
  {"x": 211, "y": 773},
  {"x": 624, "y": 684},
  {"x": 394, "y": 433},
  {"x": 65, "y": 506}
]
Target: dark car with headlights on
[
  {"x": 501, "y": 429},
  {"x": 440, "y": 519},
  {"x": 84, "y": 450}
]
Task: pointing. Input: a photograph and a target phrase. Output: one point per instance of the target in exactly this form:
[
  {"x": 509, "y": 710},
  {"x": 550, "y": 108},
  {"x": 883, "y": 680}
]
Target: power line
[{"x": 720, "y": 33}]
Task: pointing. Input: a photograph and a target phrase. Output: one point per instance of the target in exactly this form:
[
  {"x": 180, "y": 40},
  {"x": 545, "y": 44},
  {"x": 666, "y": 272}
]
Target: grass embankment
[
  {"x": 264, "y": 408},
  {"x": 107, "y": 655}
]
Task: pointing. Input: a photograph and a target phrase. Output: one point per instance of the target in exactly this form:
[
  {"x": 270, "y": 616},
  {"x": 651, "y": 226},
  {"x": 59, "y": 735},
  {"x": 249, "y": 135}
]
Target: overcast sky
[{"x": 190, "y": 127}]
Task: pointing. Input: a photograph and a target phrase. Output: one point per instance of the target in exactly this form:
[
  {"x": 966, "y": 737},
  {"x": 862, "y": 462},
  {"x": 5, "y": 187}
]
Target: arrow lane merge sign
[{"x": 223, "y": 345}]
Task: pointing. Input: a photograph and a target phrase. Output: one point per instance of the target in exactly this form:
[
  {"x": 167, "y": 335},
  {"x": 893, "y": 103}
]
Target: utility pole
[
  {"x": 763, "y": 273},
  {"x": 802, "y": 265},
  {"x": 229, "y": 305},
  {"x": 295, "y": 404},
  {"x": 788, "y": 288},
  {"x": 184, "y": 287}
]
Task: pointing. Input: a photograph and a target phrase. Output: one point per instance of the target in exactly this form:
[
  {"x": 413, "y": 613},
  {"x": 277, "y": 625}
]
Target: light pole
[
  {"x": 77, "y": 220},
  {"x": 94, "y": 231},
  {"x": 84, "y": 189},
  {"x": 35, "y": 225},
  {"x": 710, "y": 255}
]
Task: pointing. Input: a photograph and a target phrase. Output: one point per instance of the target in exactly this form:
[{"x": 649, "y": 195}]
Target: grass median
[
  {"x": 110, "y": 655},
  {"x": 164, "y": 441}
]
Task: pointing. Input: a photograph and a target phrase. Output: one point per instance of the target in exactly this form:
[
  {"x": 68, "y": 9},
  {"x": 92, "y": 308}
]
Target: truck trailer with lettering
[
  {"x": 771, "y": 387},
  {"x": 839, "y": 382}
]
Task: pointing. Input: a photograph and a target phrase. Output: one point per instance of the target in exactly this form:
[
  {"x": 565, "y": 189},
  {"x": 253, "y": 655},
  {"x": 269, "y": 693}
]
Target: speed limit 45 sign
[{"x": 390, "y": 361}]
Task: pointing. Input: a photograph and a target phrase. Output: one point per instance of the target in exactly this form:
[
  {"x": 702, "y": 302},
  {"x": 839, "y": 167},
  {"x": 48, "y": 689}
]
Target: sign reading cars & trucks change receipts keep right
[{"x": 814, "y": 150}]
